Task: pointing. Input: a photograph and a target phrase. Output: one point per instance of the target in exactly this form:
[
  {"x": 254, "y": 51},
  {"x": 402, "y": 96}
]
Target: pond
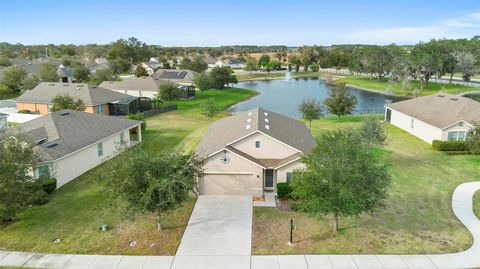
[{"x": 284, "y": 96}]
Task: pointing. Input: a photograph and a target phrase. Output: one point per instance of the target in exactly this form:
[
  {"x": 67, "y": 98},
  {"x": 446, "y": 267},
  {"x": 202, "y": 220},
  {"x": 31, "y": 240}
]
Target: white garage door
[{"x": 226, "y": 184}]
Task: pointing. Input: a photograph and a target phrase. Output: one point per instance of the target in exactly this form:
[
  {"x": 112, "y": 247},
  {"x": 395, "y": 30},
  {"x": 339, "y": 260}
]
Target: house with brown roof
[
  {"x": 439, "y": 116},
  {"x": 69, "y": 143},
  {"x": 250, "y": 152},
  {"x": 97, "y": 100},
  {"x": 178, "y": 76}
]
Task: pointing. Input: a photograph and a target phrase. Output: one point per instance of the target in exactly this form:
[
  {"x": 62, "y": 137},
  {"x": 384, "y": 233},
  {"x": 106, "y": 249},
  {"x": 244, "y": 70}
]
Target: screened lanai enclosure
[{"x": 130, "y": 105}]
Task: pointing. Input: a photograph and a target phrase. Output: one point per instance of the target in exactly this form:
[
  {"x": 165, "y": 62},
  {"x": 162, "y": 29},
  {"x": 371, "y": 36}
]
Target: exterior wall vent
[
  {"x": 267, "y": 126},
  {"x": 249, "y": 120},
  {"x": 247, "y": 127},
  {"x": 249, "y": 113},
  {"x": 265, "y": 113},
  {"x": 266, "y": 120}
]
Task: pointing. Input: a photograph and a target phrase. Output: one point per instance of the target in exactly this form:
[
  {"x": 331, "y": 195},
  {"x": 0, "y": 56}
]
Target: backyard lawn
[
  {"x": 417, "y": 218},
  {"x": 76, "y": 210}
]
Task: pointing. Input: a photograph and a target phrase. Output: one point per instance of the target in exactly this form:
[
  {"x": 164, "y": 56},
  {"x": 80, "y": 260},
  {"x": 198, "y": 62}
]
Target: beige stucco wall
[
  {"x": 74, "y": 165},
  {"x": 465, "y": 127},
  {"x": 269, "y": 147},
  {"x": 138, "y": 93},
  {"x": 41, "y": 109},
  {"x": 236, "y": 165},
  {"x": 282, "y": 171},
  {"x": 422, "y": 130}
]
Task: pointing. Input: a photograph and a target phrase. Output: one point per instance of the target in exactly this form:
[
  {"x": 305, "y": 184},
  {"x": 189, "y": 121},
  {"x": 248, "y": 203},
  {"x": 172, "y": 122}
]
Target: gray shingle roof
[
  {"x": 70, "y": 130},
  {"x": 287, "y": 130},
  {"x": 440, "y": 110},
  {"x": 141, "y": 83},
  {"x": 175, "y": 75},
  {"x": 91, "y": 96}
]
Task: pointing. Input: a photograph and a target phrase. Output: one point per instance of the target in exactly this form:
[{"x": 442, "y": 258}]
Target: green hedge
[
  {"x": 48, "y": 184},
  {"x": 451, "y": 146},
  {"x": 283, "y": 190}
]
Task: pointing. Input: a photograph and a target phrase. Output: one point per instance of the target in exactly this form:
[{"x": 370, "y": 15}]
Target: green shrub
[
  {"x": 140, "y": 117},
  {"x": 25, "y": 111},
  {"x": 48, "y": 184},
  {"x": 38, "y": 197},
  {"x": 450, "y": 145},
  {"x": 283, "y": 190}
]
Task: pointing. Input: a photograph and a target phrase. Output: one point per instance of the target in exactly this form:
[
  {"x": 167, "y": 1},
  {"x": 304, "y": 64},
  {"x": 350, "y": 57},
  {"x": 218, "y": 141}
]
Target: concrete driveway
[{"x": 220, "y": 227}]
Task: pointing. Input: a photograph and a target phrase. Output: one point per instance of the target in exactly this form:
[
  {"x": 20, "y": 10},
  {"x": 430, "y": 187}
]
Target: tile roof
[
  {"x": 287, "y": 130},
  {"x": 91, "y": 96},
  {"x": 440, "y": 110},
  {"x": 61, "y": 133}
]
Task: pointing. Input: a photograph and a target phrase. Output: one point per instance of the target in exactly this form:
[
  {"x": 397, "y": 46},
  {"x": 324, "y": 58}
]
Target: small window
[
  {"x": 457, "y": 136},
  {"x": 412, "y": 123},
  {"x": 122, "y": 138},
  {"x": 43, "y": 171},
  {"x": 289, "y": 177},
  {"x": 100, "y": 149},
  {"x": 99, "y": 109},
  {"x": 257, "y": 144}
]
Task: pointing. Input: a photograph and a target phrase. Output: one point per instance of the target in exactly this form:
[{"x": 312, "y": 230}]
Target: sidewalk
[{"x": 461, "y": 205}]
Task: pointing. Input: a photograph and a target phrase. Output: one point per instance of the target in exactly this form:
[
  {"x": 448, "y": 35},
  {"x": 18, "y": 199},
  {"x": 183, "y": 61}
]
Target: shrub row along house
[
  {"x": 97, "y": 100},
  {"x": 149, "y": 86},
  {"x": 69, "y": 143},
  {"x": 441, "y": 116},
  {"x": 250, "y": 152}
]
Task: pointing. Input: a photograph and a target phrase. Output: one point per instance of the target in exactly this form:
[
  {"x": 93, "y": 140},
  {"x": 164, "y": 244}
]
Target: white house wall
[
  {"x": 269, "y": 148},
  {"x": 282, "y": 171},
  {"x": 74, "y": 165},
  {"x": 463, "y": 127},
  {"x": 138, "y": 93},
  {"x": 420, "y": 129}
]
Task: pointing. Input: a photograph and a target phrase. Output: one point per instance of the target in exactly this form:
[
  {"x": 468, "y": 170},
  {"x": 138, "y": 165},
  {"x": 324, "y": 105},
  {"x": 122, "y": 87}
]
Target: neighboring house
[
  {"x": 233, "y": 63},
  {"x": 96, "y": 99},
  {"x": 211, "y": 62},
  {"x": 3, "y": 121},
  {"x": 439, "y": 116},
  {"x": 65, "y": 74},
  {"x": 250, "y": 152},
  {"x": 100, "y": 60},
  {"x": 178, "y": 76},
  {"x": 69, "y": 143},
  {"x": 151, "y": 66},
  {"x": 32, "y": 66},
  {"x": 143, "y": 87}
]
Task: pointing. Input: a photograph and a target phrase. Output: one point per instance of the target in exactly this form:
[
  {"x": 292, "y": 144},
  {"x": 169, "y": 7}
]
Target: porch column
[{"x": 139, "y": 133}]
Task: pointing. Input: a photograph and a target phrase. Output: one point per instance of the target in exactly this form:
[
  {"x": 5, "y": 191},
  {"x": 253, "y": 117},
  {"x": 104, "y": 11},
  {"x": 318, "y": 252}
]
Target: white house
[
  {"x": 69, "y": 143},
  {"x": 250, "y": 152},
  {"x": 439, "y": 116},
  {"x": 233, "y": 63}
]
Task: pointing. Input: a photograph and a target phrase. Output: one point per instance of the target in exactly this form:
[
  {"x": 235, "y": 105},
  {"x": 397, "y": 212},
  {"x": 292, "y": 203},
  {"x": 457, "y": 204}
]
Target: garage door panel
[{"x": 226, "y": 184}]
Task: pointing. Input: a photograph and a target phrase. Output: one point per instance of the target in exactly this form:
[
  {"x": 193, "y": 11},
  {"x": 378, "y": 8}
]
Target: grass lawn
[
  {"x": 417, "y": 218},
  {"x": 76, "y": 210},
  {"x": 476, "y": 204}
]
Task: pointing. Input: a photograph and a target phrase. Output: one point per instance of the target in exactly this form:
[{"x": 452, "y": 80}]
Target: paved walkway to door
[{"x": 219, "y": 236}]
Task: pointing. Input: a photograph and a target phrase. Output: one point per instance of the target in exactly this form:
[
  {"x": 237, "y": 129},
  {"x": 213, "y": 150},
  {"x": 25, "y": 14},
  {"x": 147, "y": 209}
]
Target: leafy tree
[
  {"x": 307, "y": 56},
  {"x": 264, "y": 60},
  {"x": 140, "y": 117},
  {"x": 31, "y": 81},
  {"x": 119, "y": 66},
  {"x": 102, "y": 75},
  {"x": 4, "y": 61},
  {"x": 372, "y": 131},
  {"x": 131, "y": 50},
  {"x": 222, "y": 76},
  {"x": 340, "y": 102},
  {"x": 13, "y": 77},
  {"x": 311, "y": 109},
  {"x": 48, "y": 73},
  {"x": 203, "y": 81},
  {"x": 296, "y": 61},
  {"x": 427, "y": 61},
  {"x": 140, "y": 71},
  {"x": 168, "y": 91},
  {"x": 342, "y": 178},
  {"x": 314, "y": 67},
  {"x": 210, "y": 108},
  {"x": 65, "y": 101},
  {"x": 473, "y": 139},
  {"x": 17, "y": 186},
  {"x": 251, "y": 65},
  {"x": 401, "y": 71},
  {"x": 465, "y": 63},
  {"x": 198, "y": 64},
  {"x": 158, "y": 183},
  {"x": 81, "y": 73}
]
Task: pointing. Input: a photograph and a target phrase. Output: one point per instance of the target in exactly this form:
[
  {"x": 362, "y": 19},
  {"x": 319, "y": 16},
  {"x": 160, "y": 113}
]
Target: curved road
[{"x": 461, "y": 204}]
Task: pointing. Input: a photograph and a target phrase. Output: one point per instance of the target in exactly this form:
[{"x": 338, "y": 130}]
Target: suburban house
[
  {"x": 143, "y": 87},
  {"x": 211, "y": 62},
  {"x": 65, "y": 74},
  {"x": 178, "y": 76},
  {"x": 151, "y": 66},
  {"x": 440, "y": 116},
  {"x": 250, "y": 152},
  {"x": 96, "y": 99},
  {"x": 233, "y": 63},
  {"x": 69, "y": 143}
]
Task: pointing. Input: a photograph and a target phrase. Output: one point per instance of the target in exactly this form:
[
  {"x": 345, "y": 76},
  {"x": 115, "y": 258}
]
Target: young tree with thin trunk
[
  {"x": 340, "y": 101},
  {"x": 65, "y": 101},
  {"x": 311, "y": 109},
  {"x": 157, "y": 184},
  {"x": 342, "y": 178}
]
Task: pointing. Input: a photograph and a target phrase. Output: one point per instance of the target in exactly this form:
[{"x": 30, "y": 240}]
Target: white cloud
[{"x": 460, "y": 27}]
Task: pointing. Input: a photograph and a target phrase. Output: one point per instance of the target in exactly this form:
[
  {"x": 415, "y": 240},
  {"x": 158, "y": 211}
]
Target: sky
[{"x": 232, "y": 22}]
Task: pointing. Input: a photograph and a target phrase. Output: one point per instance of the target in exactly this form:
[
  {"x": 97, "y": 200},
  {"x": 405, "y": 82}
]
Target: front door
[{"x": 269, "y": 178}]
